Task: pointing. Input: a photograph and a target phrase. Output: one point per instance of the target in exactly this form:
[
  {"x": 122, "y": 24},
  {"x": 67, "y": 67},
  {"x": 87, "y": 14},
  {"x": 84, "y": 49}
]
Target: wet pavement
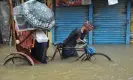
[{"x": 99, "y": 69}]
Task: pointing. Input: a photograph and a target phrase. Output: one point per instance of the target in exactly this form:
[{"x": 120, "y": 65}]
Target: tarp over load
[{"x": 33, "y": 15}]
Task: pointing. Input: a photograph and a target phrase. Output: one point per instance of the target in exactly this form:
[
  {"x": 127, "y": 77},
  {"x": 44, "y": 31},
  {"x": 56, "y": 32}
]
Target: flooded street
[{"x": 99, "y": 69}]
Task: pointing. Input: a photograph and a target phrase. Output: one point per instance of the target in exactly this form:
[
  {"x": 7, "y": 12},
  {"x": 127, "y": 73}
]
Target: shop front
[
  {"x": 112, "y": 22},
  {"x": 68, "y": 17}
]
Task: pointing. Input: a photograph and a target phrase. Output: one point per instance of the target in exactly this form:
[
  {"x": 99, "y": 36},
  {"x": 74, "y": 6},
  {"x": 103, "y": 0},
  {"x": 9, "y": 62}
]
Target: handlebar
[{"x": 84, "y": 45}]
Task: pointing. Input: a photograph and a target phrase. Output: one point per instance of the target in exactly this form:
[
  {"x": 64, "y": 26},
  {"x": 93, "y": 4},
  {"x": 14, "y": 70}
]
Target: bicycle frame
[
  {"x": 59, "y": 48},
  {"x": 87, "y": 56}
]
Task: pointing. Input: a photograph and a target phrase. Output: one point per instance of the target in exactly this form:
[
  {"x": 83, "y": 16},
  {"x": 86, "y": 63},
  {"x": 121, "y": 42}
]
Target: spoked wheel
[
  {"x": 95, "y": 56},
  {"x": 17, "y": 61}
]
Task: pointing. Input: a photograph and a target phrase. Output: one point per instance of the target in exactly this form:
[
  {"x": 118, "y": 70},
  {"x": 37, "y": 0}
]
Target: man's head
[{"x": 87, "y": 26}]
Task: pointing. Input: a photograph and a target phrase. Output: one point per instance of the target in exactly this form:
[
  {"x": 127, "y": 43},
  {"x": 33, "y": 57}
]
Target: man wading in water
[{"x": 75, "y": 36}]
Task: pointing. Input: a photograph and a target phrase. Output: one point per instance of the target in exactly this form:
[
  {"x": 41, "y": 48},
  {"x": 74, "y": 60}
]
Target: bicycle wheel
[
  {"x": 101, "y": 54},
  {"x": 20, "y": 54},
  {"x": 17, "y": 61}
]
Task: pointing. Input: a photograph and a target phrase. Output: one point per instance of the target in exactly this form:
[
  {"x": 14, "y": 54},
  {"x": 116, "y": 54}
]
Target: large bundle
[{"x": 33, "y": 15}]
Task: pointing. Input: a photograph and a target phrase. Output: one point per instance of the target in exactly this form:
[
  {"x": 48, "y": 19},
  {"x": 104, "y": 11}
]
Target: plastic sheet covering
[
  {"x": 33, "y": 15},
  {"x": 4, "y": 21}
]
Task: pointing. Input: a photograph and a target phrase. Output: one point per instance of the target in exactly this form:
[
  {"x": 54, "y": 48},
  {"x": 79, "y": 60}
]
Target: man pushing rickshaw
[{"x": 30, "y": 22}]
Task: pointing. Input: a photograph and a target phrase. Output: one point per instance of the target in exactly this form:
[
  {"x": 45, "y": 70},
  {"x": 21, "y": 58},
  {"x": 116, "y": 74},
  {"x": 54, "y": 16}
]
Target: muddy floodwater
[{"x": 99, "y": 69}]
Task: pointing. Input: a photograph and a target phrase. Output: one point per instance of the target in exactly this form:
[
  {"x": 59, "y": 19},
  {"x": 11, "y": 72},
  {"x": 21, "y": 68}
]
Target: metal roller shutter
[
  {"x": 67, "y": 19},
  {"x": 110, "y": 22}
]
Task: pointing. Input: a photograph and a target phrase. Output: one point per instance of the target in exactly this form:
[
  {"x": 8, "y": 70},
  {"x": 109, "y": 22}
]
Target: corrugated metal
[
  {"x": 110, "y": 22},
  {"x": 132, "y": 22},
  {"x": 67, "y": 19}
]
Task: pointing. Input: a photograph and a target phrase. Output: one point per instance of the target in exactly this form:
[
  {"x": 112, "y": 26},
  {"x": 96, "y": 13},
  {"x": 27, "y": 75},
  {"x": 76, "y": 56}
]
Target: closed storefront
[
  {"x": 67, "y": 19},
  {"x": 110, "y": 22}
]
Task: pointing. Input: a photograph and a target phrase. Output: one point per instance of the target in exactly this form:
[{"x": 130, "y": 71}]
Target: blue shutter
[
  {"x": 110, "y": 22},
  {"x": 132, "y": 23},
  {"x": 67, "y": 19}
]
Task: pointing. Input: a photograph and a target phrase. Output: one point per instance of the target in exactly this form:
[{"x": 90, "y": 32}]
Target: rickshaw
[
  {"x": 23, "y": 54},
  {"x": 22, "y": 44}
]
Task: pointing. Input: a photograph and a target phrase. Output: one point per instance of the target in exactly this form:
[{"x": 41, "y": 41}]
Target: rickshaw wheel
[
  {"x": 100, "y": 54},
  {"x": 17, "y": 61},
  {"x": 18, "y": 57}
]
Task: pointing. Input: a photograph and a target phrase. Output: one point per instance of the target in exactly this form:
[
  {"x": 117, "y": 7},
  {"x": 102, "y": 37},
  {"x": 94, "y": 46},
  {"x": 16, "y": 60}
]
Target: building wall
[{"x": 132, "y": 22}]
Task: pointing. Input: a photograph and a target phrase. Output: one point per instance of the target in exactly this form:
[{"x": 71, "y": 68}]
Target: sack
[{"x": 34, "y": 13}]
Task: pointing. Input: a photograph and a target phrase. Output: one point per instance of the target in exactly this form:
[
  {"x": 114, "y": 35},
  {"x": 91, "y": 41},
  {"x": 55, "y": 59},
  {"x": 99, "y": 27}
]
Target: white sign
[{"x": 112, "y": 2}]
